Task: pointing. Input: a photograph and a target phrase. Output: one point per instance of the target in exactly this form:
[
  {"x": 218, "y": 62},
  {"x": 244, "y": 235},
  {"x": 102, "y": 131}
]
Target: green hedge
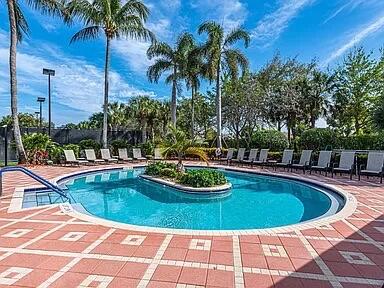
[
  {"x": 202, "y": 178},
  {"x": 272, "y": 139}
]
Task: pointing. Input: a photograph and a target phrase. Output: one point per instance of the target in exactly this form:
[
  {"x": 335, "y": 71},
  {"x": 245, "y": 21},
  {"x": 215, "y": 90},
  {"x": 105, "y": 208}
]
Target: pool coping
[{"x": 74, "y": 211}]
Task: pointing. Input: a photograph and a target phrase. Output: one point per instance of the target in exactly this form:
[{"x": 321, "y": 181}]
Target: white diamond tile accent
[
  {"x": 17, "y": 233},
  {"x": 380, "y": 229},
  {"x": 135, "y": 240},
  {"x": 200, "y": 244},
  {"x": 274, "y": 250},
  {"x": 73, "y": 236},
  {"x": 98, "y": 281},
  {"x": 13, "y": 274},
  {"x": 356, "y": 258}
]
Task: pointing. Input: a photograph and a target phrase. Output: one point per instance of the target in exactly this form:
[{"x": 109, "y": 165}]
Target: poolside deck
[{"x": 44, "y": 247}]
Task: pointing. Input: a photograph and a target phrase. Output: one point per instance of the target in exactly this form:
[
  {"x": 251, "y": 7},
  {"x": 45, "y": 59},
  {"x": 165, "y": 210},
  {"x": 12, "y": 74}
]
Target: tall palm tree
[
  {"x": 116, "y": 20},
  {"x": 18, "y": 27},
  {"x": 221, "y": 57},
  {"x": 192, "y": 74},
  {"x": 172, "y": 60},
  {"x": 142, "y": 108}
]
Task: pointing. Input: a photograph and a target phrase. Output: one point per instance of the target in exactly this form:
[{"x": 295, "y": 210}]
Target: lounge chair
[
  {"x": 106, "y": 156},
  {"x": 91, "y": 156},
  {"x": 137, "y": 155},
  {"x": 70, "y": 158},
  {"x": 346, "y": 163},
  {"x": 251, "y": 157},
  {"x": 229, "y": 155},
  {"x": 375, "y": 165},
  {"x": 123, "y": 155},
  {"x": 239, "y": 156},
  {"x": 158, "y": 154},
  {"x": 323, "y": 163},
  {"x": 263, "y": 157},
  {"x": 286, "y": 161},
  {"x": 304, "y": 162}
]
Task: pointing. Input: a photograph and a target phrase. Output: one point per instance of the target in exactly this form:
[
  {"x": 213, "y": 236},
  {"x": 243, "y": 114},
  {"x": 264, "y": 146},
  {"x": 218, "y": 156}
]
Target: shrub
[
  {"x": 119, "y": 144},
  {"x": 89, "y": 144},
  {"x": 363, "y": 142},
  {"x": 168, "y": 173},
  {"x": 36, "y": 147},
  {"x": 319, "y": 139},
  {"x": 74, "y": 147},
  {"x": 202, "y": 178},
  {"x": 147, "y": 148},
  {"x": 154, "y": 169},
  {"x": 272, "y": 139}
]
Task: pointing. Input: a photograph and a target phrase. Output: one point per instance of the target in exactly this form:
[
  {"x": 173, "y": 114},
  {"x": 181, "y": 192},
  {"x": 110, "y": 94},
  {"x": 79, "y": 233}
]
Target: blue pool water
[{"x": 256, "y": 201}]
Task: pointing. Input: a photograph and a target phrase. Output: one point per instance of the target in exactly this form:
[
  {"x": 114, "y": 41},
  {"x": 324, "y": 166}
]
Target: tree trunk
[
  {"x": 193, "y": 112},
  {"x": 174, "y": 99},
  {"x": 218, "y": 107},
  {"x": 106, "y": 90},
  {"x": 143, "y": 130},
  {"x": 13, "y": 80}
]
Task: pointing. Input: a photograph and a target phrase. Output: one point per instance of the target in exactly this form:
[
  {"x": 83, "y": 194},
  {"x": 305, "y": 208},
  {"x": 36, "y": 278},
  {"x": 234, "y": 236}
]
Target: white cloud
[
  {"x": 270, "y": 27},
  {"x": 367, "y": 31},
  {"x": 231, "y": 13},
  {"x": 77, "y": 84}
]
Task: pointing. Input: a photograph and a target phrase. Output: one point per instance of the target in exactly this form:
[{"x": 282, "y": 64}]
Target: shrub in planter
[
  {"x": 202, "y": 178},
  {"x": 168, "y": 173},
  {"x": 154, "y": 169},
  {"x": 272, "y": 139}
]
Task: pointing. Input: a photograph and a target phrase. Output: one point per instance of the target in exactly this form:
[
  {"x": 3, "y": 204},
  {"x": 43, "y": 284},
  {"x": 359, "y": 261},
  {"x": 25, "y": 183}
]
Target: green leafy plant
[
  {"x": 154, "y": 169},
  {"x": 36, "y": 147},
  {"x": 272, "y": 139},
  {"x": 89, "y": 144},
  {"x": 118, "y": 144},
  {"x": 202, "y": 178},
  {"x": 319, "y": 139},
  {"x": 168, "y": 173},
  {"x": 74, "y": 147}
]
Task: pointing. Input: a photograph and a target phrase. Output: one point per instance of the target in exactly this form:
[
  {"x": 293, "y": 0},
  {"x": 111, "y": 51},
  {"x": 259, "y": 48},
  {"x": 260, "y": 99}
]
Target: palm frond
[
  {"x": 134, "y": 31},
  {"x": 199, "y": 152},
  {"x": 134, "y": 7},
  {"x": 234, "y": 59},
  {"x": 88, "y": 33},
  {"x": 160, "y": 49},
  {"x": 22, "y": 24},
  {"x": 236, "y": 35},
  {"x": 48, "y": 7},
  {"x": 208, "y": 27},
  {"x": 156, "y": 70}
]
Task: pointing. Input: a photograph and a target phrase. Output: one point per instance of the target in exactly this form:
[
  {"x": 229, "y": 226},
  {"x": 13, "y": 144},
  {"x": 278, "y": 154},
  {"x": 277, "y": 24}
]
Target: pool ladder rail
[{"x": 34, "y": 176}]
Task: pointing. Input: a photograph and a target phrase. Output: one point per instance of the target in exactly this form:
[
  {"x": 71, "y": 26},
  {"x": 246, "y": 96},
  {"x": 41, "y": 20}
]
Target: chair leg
[{"x": 359, "y": 176}]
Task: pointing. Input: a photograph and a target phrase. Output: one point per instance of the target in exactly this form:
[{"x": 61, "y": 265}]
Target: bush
[
  {"x": 154, "y": 169},
  {"x": 168, "y": 173},
  {"x": 36, "y": 147},
  {"x": 363, "y": 142},
  {"x": 319, "y": 139},
  {"x": 74, "y": 147},
  {"x": 89, "y": 144},
  {"x": 147, "y": 148},
  {"x": 202, "y": 178},
  {"x": 272, "y": 139},
  {"x": 119, "y": 144}
]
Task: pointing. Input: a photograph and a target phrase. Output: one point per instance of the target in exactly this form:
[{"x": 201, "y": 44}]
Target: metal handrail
[{"x": 34, "y": 176}]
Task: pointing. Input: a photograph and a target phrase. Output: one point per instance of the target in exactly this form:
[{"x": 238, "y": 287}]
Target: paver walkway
[{"x": 46, "y": 248}]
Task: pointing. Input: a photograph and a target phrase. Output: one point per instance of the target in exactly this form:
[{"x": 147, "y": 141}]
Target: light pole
[
  {"x": 50, "y": 73},
  {"x": 41, "y": 100}
]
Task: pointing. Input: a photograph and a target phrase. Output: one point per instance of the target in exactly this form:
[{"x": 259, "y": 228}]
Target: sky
[{"x": 322, "y": 29}]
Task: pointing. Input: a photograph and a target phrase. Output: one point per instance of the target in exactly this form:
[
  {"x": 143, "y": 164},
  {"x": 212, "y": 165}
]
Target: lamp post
[
  {"x": 41, "y": 100},
  {"x": 50, "y": 73}
]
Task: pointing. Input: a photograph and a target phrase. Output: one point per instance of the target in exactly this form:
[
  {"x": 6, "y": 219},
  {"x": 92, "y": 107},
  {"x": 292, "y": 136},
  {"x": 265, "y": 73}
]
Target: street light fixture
[
  {"x": 41, "y": 100},
  {"x": 50, "y": 73}
]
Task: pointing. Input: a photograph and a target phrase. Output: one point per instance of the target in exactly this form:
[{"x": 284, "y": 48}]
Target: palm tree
[
  {"x": 115, "y": 20},
  {"x": 18, "y": 27},
  {"x": 142, "y": 108},
  {"x": 117, "y": 115},
  {"x": 192, "y": 74},
  {"x": 178, "y": 143},
  {"x": 221, "y": 57},
  {"x": 172, "y": 60}
]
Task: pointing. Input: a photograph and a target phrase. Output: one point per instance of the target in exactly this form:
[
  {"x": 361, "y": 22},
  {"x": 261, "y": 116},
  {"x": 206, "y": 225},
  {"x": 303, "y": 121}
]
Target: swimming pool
[{"x": 256, "y": 201}]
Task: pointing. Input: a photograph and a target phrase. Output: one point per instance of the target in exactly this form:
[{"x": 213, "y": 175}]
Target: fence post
[{"x": 1, "y": 182}]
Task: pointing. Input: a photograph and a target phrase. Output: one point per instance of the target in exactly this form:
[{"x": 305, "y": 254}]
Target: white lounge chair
[
  {"x": 286, "y": 161},
  {"x": 91, "y": 156},
  {"x": 158, "y": 154},
  {"x": 304, "y": 162},
  {"x": 106, "y": 156},
  {"x": 229, "y": 155},
  {"x": 251, "y": 157},
  {"x": 346, "y": 163},
  {"x": 375, "y": 165},
  {"x": 263, "y": 157},
  {"x": 137, "y": 155},
  {"x": 323, "y": 163},
  {"x": 123, "y": 155},
  {"x": 70, "y": 158},
  {"x": 240, "y": 155}
]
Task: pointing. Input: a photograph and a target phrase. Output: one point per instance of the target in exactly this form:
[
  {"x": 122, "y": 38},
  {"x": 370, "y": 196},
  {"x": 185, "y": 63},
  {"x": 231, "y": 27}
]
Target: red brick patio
[{"x": 46, "y": 248}]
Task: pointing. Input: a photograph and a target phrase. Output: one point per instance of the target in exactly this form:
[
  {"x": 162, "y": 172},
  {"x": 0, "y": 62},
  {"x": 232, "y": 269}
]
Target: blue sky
[{"x": 308, "y": 29}]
